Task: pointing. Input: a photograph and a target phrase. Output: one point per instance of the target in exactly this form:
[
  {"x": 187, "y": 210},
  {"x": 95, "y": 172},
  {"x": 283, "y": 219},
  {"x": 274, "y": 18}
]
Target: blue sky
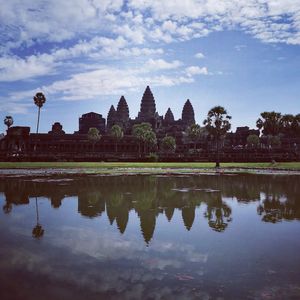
[{"x": 84, "y": 54}]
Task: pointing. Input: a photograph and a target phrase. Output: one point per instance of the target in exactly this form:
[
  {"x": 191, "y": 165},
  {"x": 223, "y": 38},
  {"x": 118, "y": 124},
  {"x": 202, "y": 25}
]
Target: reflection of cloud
[
  {"x": 111, "y": 246},
  {"x": 80, "y": 273},
  {"x": 103, "y": 263}
]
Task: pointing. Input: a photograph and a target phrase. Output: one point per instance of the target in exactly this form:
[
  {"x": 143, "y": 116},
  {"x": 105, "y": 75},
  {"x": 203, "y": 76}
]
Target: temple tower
[
  {"x": 111, "y": 117},
  {"x": 148, "y": 108},
  {"x": 188, "y": 116},
  {"x": 169, "y": 117},
  {"x": 122, "y": 113}
]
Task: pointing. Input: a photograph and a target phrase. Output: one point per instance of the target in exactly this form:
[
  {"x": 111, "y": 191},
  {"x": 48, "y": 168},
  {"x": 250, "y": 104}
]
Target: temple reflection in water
[{"x": 275, "y": 197}]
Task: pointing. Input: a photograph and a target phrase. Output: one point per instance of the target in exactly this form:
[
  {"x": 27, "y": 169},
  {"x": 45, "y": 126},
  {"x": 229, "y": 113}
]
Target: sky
[{"x": 85, "y": 54}]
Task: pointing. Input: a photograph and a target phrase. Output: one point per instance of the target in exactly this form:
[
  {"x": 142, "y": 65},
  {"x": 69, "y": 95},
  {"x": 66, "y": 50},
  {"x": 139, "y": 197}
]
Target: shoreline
[{"x": 127, "y": 171}]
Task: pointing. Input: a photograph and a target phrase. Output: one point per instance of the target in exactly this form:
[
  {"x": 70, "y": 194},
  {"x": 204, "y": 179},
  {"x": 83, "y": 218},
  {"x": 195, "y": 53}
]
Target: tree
[
  {"x": 8, "y": 121},
  {"x": 145, "y": 135},
  {"x": 274, "y": 141},
  {"x": 117, "y": 133},
  {"x": 217, "y": 124},
  {"x": 39, "y": 100},
  {"x": 94, "y": 136},
  {"x": 168, "y": 144},
  {"x": 269, "y": 123},
  {"x": 252, "y": 140},
  {"x": 194, "y": 132},
  {"x": 286, "y": 124},
  {"x": 296, "y": 125}
]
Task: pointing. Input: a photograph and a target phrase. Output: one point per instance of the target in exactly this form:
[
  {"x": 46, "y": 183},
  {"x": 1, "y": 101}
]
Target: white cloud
[
  {"x": 99, "y": 31},
  {"x": 107, "y": 80},
  {"x": 12, "y": 107},
  {"x": 56, "y": 21},
  {"x": 27, "y": 22},
  {"x": 161, "y": 64},
  {"x": 135, "y": 35},
  {"x": 199, "y": 55},
  {"x": 15, "y": 68},
  {"x": 268, "y": 20},
  {"x": 195, "y": 70}
]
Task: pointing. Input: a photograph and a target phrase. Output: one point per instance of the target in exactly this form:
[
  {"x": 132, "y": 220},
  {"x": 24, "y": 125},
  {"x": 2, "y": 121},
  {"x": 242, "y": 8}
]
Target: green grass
[{"x": 113, "y": 165}]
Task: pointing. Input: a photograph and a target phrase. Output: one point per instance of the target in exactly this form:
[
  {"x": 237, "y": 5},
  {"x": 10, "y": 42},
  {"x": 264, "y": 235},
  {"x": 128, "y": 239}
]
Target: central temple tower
[{"x": 148, "y": 107}]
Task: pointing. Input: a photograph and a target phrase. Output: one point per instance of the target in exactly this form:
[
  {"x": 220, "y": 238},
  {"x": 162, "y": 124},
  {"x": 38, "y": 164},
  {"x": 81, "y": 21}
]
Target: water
[{"x": 150, "y": 237}]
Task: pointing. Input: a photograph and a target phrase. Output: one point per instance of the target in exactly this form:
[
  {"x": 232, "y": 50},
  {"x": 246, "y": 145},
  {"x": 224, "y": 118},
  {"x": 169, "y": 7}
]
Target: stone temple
[
  {"x": 56, "y": 145},
  {"x": 148, "y": 114}
]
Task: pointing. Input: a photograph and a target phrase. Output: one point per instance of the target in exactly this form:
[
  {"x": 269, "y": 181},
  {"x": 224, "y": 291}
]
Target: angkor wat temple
[{"x": 56, "y": 145}]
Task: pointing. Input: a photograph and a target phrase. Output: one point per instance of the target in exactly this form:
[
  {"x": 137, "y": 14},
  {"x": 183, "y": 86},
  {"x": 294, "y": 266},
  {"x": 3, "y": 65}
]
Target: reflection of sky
[{"x": 83, "y": 257}]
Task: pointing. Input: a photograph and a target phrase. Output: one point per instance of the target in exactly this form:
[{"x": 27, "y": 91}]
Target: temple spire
[
  {"x": 111, "y": 117},
  {"x": 169, "y": 117},
  {"x": 122, "y": 109},
  {"x": 148, "y": 107},
  {"x": 188, "y": 116},
  {"x": 122, "y": 113}
]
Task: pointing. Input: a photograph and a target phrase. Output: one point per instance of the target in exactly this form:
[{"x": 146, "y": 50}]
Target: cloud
[
  {"x": 268, "y": 20},
  {"x": 109, "y": 80},
  {"x": 27, "y": 23},
  {"x": 199, "y": 55},
  {"x": 14, "y": 68},
  {"x": 12, "y": 107},
  {"x": 195, "y": 70},
  {"x": 160, "y": 64},
  {"x": 89, "y": 48}
]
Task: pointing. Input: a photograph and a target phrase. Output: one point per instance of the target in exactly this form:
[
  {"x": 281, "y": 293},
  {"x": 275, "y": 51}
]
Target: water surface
[{"x": 150, "y": 237}]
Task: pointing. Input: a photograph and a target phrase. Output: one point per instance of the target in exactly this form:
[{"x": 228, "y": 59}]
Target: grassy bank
[{"x": 113, "y": 165}]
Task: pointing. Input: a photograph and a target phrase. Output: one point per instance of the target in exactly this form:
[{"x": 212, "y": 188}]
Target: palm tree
[
  {"x": 270, "y": 123},
  {"x": 168, "y": 144},
  {"x": 194, "y": 132},
  {"x": 286, "y": 124},
  {"x": 252, "y": 140},
  {"x": 8, "y": 121},
  {"x": 217, "y": 124},
  {"x": 145, "y": 135},
  {"x": 296, "y": 125},
  {"x": 39, "y": 100},
  {"x": 117, "y": 133},
  {"x": 94, "y": 136}
]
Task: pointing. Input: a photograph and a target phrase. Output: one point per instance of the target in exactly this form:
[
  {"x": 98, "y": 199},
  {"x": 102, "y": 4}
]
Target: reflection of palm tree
[
  {"x": 7, "y": 207},
  {"x": 37, "y": 231},
  {"x": 273, "y": 210},
  {"x": 218, "y": 213}
]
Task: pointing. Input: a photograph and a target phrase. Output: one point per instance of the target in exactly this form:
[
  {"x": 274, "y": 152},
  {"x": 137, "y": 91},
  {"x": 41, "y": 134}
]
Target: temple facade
[{"x": 57, "y": 145}]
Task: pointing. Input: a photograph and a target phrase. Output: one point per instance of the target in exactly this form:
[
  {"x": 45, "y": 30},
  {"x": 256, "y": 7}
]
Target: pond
[{"x": 150, "y": 237}]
